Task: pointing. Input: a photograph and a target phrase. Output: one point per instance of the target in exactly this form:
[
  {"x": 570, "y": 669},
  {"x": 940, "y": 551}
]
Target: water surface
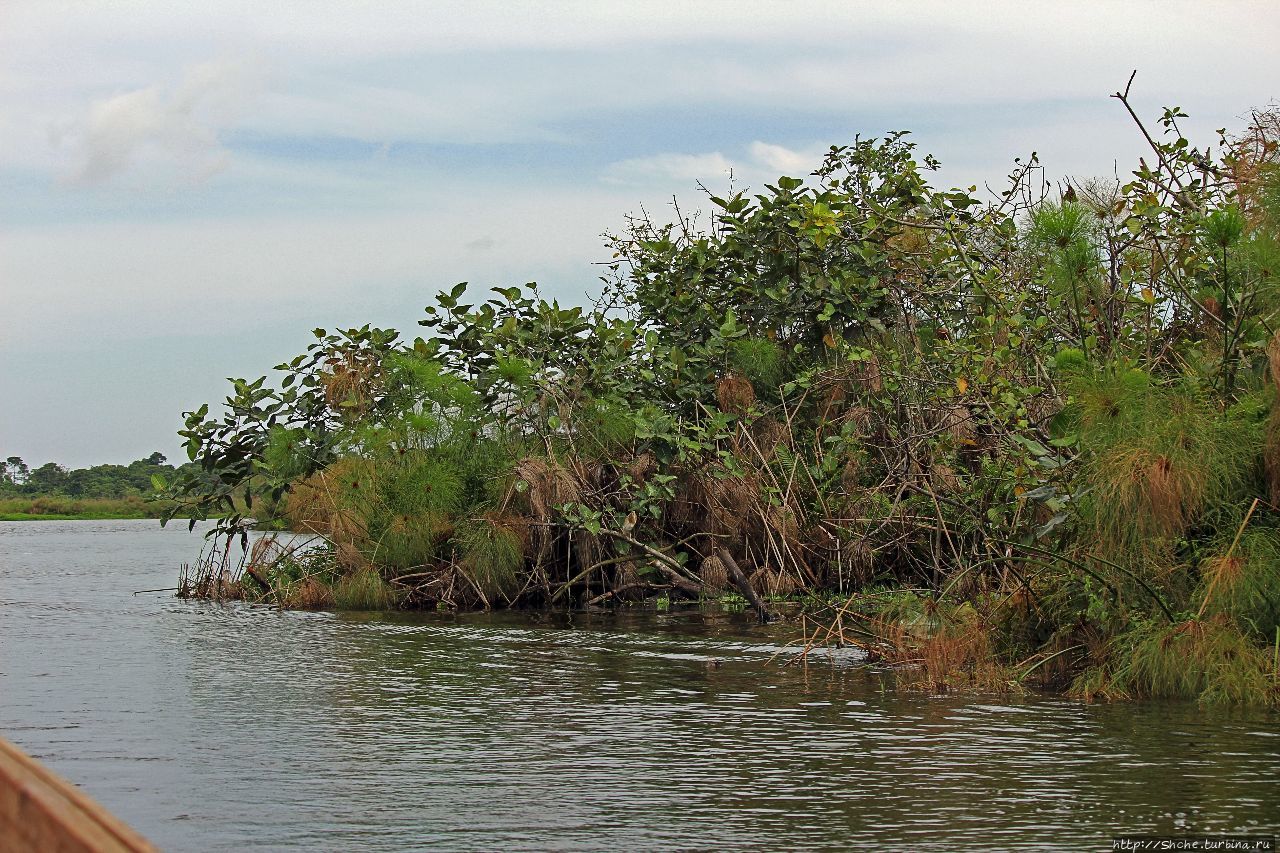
[{"x": 224, "y": 727}]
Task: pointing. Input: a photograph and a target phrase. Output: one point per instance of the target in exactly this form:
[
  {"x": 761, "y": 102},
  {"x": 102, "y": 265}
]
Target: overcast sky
[{"x": 188, "y": 189}]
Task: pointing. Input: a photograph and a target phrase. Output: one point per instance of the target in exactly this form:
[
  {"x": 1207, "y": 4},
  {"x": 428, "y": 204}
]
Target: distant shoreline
[
  {"x": 30, "y": 516},
  {"x": 63, "y": 508}
]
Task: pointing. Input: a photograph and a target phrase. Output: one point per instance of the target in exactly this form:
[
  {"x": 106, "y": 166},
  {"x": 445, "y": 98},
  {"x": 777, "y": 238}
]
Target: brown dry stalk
[{"x": 1208, "y": 594}]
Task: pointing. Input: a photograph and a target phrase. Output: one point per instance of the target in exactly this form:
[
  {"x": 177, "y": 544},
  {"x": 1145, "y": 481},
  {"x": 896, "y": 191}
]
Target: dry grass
[
  {"x": 716, "y": 502},
  {"x": 642, "y": 467},
  {"x": 330, "y": 502},
  {"x": 768, "y": 434},
  {"x": 547, "y": 485},
  {"x": 944, "y": 479},
  {"x": 714, "y": 574},
  {"x": 537, "y": 488},
  {"x": 956, "y": 655},
  {"x": 770, "y": 583},
  {"x": 215, "y": 575},
  {"x": 307, "y": 594},
  {"x": 735, "y": 394},
  {"x": 1273, "y": 359},
  {"x": 1271, "y": 455},
  {"x": 857, "y": 560},
  {"x": 1254, "y": 153},
  {"x": 351, "y": 380}
]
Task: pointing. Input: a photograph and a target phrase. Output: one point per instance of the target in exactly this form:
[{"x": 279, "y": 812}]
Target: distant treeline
[{"x": 137, "y": 479}]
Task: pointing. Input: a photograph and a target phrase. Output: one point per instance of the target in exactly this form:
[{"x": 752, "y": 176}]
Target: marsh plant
[{"x": 1047, "y": 419}]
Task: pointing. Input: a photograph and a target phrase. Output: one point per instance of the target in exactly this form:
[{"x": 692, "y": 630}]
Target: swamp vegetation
[
  {"x": 52, "y": 492},
  {"x": 1028, "y": 440}
]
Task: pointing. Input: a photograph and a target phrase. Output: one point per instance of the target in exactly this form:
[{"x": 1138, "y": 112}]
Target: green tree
[
  {"x": 16, "y": 471},
  {"x": 50, "y": 478}
]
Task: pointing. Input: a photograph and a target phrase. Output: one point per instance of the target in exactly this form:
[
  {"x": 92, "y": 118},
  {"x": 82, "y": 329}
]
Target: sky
[{"x": 186, "y": 190}]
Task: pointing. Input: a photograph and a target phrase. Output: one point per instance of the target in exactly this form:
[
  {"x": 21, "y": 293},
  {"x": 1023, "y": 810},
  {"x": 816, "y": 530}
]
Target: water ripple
[{"x": 219, "y": 727}]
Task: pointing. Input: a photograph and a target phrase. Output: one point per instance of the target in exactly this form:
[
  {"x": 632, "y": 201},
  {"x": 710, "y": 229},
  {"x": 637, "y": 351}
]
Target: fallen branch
[
  {"x": 662, "y": 562},
  {"x": 740, "y": 581}
]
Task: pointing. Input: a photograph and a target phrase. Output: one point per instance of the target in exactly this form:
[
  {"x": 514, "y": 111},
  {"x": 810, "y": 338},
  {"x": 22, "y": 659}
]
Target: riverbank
[{"x": 62, "y": 508}]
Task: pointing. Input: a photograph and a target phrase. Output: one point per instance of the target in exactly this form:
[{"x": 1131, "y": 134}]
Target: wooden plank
[{"x": 40, "y": 811}]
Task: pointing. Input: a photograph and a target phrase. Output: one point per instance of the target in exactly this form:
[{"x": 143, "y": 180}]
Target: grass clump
[
  {"x": 939, "y": 646},
  {"x": 761, "y": 361},
  {"x": 1158, "y": 457},
  {"x": 492, "y": 552},
  {"x": 1242, "y": 581},
  {"x": 363, "y": 589},
  {"x": 1209, "y": 660},
  {"x": 411, "y": 511},
  {"x": 307, "y": 594}
]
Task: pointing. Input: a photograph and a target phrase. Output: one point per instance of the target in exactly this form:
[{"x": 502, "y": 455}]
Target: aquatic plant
[
  {"x": 1209, "y": 660},
  {"x": 1159, "y": 456},
  {"x": 1240, "y": 580},
  {"x": 363, "y": 589},
  {"x": 492, "y": 551},
  {"x": 1052, "y": 418}
]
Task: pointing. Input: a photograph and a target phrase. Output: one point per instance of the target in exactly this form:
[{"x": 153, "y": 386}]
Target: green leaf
[{"x": 1034, "y": 446}]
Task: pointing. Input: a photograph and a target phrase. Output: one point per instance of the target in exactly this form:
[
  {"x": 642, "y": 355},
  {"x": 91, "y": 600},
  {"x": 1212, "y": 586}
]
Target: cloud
[
  {"x": 785, "y": 160},
  {"x": 498, "y": 73},
  {"x": 759, "y": 162},
  {"x": 465, "y": 118},
  {"x": 172, "y": 134},
  {"x": 664, "y": 168}
]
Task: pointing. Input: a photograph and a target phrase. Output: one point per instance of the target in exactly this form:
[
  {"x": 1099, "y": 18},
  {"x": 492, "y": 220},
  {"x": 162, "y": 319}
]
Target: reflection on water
[{"x": 212, "y": 727}]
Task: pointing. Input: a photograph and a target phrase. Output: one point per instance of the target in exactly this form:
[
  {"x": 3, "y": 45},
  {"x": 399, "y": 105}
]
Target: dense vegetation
[
  {"x": 1032, "y": 437},
  {"x": 100, "y": 491}
]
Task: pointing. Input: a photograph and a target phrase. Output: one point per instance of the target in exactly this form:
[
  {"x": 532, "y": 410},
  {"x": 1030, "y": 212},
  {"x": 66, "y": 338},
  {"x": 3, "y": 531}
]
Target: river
[{"x": 213, "y": 727}]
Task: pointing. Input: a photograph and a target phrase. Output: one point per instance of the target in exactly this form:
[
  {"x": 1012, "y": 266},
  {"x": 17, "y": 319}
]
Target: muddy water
[{"x": 213, "y": 727}]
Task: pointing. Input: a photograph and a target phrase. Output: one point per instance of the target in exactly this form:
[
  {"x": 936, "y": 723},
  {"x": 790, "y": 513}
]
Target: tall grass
[
  {"x": 1241, "y": 580},
  {"x": 50, "y": 507},
  {"x": 363, "y": 589},
  {"x": 1159, "y": 457},
  {"x": 1209, "y": 660},
  {"x": 493, "y": 551}
]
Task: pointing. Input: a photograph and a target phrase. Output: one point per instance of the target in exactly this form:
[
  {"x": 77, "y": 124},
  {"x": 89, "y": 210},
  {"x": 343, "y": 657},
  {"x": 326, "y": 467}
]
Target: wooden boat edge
[{"x": 39, "y": 810}]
